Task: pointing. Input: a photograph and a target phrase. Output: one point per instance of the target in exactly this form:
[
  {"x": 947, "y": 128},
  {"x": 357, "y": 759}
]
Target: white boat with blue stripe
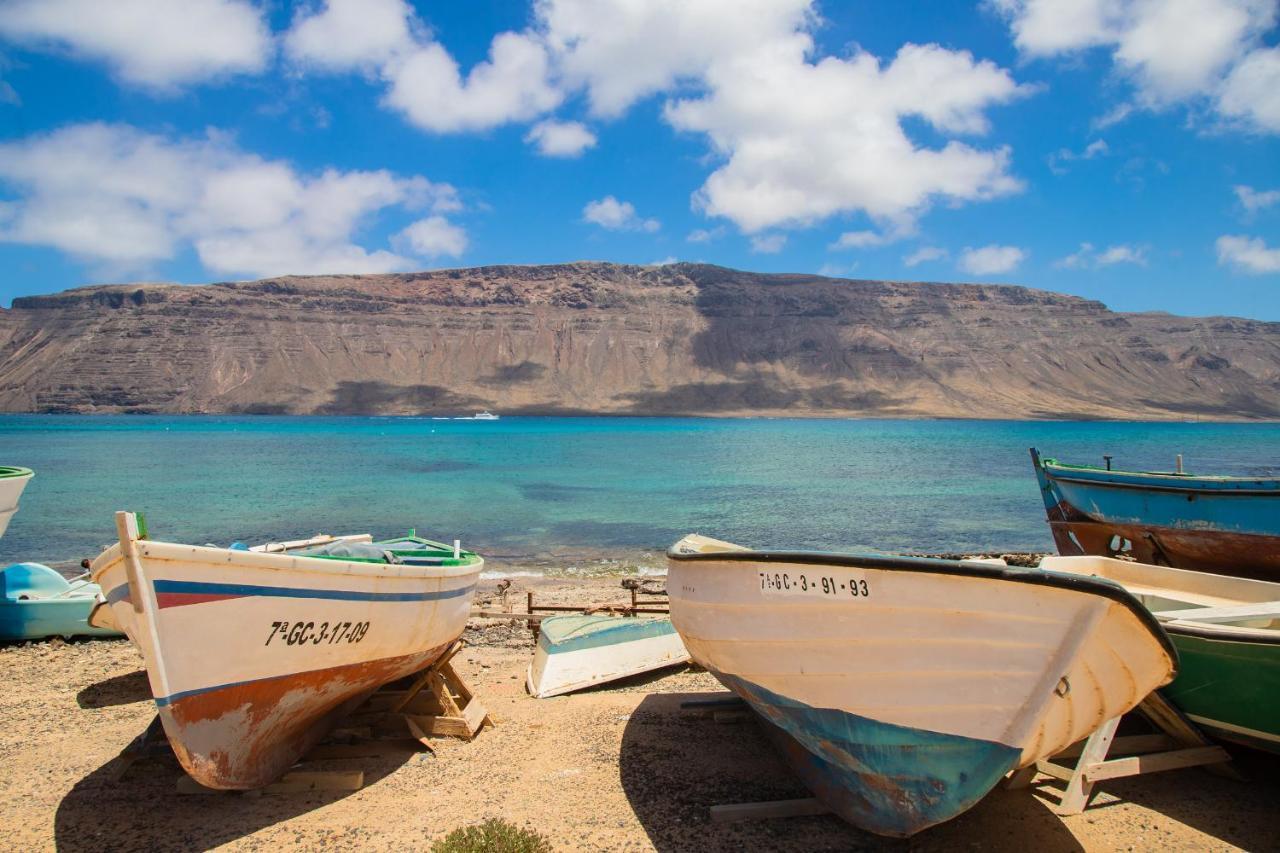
[
  {"x": 253, "y": 655},
  {"x": 902, "y": 689},
  {"x": 578, "y": 651}
]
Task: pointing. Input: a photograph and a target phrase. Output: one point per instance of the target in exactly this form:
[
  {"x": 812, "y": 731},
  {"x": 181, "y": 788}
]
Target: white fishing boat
[
  {"x": 903, "y": 689},
  {"x": 253, "y": 656},
  {"x": 575, "y": 652},
  {"x": 12, "y": 482}
]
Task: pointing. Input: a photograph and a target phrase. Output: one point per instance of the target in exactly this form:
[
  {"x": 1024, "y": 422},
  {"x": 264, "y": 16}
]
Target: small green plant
[{"x": 492, "y": 836}]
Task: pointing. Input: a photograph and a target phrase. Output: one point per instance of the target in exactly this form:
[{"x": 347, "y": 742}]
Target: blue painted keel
[{"x": 887, "y": 779}]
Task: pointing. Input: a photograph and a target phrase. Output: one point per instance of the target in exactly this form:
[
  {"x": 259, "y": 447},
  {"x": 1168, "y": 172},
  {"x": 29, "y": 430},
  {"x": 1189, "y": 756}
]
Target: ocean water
[{"x": 592, "y": 494}]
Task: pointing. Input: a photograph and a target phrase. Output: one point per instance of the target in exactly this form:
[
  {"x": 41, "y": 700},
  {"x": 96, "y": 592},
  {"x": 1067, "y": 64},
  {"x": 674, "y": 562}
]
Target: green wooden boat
[{"x": 1227, "y": 633}]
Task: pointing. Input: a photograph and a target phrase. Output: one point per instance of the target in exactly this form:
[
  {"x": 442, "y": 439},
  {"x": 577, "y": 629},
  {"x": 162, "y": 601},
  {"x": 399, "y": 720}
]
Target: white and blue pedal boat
[{"x": 903, "y": 689}]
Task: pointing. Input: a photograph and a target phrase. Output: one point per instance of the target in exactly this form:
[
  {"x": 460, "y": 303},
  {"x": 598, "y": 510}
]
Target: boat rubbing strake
[
  {"x": 253, "y": 656},
  {"x": 902, "y": 689}
]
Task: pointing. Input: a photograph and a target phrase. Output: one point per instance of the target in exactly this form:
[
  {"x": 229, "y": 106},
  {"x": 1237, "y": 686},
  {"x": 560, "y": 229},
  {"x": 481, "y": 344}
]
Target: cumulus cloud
[
  {"x": 1087, "y": 257},
  {"x": 158, "y": 44},
  {"x": 858, "y": 240},
  {"x": 790, "y": 159},
  {"x": 706, "y": 235},
  {"x": 991, "y": 260},
  {"x": 123, "y": 199},
  {"x": 424, "y": 82},
  {"x": 768, "y": 244},
  {"x": 1171, "y": 50},
  {"x": 924, "y": 255},
  {"x": 1248, "y": 254},
  {"x": 1097, "y": 148},
  {"x": 433, "y": 237},
  {"x": 1254, "y": 200},
  {"x": 614, "y": 215},
  {"x": 560, "y": 138}
]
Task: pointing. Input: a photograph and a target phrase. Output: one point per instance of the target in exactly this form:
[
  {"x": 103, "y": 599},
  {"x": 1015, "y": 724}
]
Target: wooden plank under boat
[
  {"x": 1227, "y": 632},
  {"x": 1224, "y": 525},
  {"x": 37, "y": 602},
  {"x": 254, "y": 656},
  {"x": 577, "y": 651},
  {"x": 903, "y": 689},
  {"x": 12, "y": 482}
]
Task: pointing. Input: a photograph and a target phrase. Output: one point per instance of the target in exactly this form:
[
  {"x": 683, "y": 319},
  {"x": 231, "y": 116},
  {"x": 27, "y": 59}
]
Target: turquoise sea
[{"x": 591, "y": 493}]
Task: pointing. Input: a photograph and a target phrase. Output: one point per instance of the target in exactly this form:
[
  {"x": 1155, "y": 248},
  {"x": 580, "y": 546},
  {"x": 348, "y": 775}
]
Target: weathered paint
[
  {"x": 239, "y": 698},
  {"x": 1224, "y": 525},
  {"x": 888, "y": 779}
]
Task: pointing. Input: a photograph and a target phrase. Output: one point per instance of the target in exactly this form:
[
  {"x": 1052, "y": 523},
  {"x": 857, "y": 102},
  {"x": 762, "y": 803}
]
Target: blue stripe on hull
[
  {"x": 887, "y": 779},
  {"x": 236, "y": 589}
]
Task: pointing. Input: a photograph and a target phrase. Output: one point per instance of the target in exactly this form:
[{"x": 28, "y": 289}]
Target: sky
[{"x": 1120, "y": 150}]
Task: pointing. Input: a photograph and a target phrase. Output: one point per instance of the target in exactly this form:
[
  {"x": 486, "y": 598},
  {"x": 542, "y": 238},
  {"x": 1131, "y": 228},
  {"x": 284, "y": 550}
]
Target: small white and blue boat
[
  {"x": 903, "y": 689},
  {"x": 575, "y": 652},
  {"x": 12, "y": 482},
  {"x": 37, "y": 602}
]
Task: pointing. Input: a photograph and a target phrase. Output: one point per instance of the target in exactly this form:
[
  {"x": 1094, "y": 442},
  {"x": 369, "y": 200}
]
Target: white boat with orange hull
[{"x": 253, "y": 656}]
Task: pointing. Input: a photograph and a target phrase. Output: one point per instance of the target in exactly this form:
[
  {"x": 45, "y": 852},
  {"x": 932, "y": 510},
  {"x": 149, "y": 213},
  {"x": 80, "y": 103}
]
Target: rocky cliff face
[{"x": 593, "y": 337}]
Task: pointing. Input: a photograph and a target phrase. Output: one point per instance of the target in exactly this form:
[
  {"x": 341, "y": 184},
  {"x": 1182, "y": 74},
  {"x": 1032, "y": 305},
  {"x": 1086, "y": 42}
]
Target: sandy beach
[{"x": 619, "y": 768}]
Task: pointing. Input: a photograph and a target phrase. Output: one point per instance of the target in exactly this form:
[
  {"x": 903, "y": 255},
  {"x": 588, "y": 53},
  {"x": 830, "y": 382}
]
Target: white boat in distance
[
  {"x": 903, "y": 689},
  {"x": 12, "y": 482},
  {"x": 253, "y": 656},
  {"x": 486, "y": 415}
]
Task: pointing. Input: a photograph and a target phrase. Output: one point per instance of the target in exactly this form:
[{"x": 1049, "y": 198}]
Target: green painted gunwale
[{"x": 13, "y": 471}]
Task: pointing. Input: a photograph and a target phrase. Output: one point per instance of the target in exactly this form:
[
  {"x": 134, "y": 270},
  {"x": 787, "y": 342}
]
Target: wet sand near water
[{"x": 616, "y": 768}]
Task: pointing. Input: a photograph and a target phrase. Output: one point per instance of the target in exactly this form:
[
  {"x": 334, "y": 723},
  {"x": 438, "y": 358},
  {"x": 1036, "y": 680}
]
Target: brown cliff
[{"x": 606, "y": 338}]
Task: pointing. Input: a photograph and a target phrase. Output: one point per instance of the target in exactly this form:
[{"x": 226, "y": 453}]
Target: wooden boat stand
[
  {"x": 437, "y": 703},
  {"x": 1177, "y": 744}
]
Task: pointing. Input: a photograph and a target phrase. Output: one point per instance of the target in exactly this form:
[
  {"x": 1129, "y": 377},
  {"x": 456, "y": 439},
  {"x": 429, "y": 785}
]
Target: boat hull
[
  {"x": 36, "y": 602},
  {"x": 1229, "y": 686},
  {"x": 12, "y": 482},
  {"x": 252, "y": 657},
  {"x": 598, "y": 649},
  {"x": 1217, "y": 525},
  {"x": 905, "y": 704}
]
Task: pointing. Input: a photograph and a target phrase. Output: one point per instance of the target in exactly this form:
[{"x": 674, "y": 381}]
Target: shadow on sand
[
  {"x": 676, "y": 765},
  {"x": 144, "y": 811},
  {"x": 117, "y": 690}
]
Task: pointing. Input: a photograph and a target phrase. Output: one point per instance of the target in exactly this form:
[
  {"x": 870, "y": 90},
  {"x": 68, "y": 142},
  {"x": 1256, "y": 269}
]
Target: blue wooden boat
[
  {"x": 1224, "y": 525},
  {"x": 37, "y": 602}
]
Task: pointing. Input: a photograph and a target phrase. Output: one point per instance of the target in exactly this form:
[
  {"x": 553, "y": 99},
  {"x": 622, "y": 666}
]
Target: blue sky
[{"x": 1122, "y": 150}]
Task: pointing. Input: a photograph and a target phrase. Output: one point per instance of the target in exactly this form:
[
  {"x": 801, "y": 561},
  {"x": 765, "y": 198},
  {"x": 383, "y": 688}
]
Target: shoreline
[{"x": 620, "y": 767}]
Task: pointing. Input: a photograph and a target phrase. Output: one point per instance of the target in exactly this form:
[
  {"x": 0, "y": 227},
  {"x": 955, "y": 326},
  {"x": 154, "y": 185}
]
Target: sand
[{"x": 611, "y": 769}]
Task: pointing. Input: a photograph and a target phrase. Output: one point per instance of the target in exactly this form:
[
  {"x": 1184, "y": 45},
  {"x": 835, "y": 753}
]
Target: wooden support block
[
  {"x": 1134, "y": 765},
  {"x": 1129, "y": 745},
  {"x": 294, "y": 782},
  {"x": 761, "y": 811}
]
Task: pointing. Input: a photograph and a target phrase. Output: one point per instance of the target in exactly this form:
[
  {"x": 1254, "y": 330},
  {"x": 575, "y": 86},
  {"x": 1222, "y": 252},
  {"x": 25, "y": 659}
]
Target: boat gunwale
[
  {"x": 286, "y": 563},
  {"x": 1088, "y": 584},
  {"x": 14, "y": 472},
  {"x": 1156, "y": 480},
  {"x": 1223, "y": 632}
]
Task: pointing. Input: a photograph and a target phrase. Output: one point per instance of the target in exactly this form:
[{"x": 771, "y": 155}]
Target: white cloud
[
  {"x": 792, "y": 160},
  {"x": 706, "y": 235},
  {"x": 616, "y": 215},
  {"x": 123, "y": 199},
  {"x": 350, "y": 34},
  {"x": 925, "y": 254},
  {"x": 858, "y": 240},
  {"x": 831, "y": 270},
  {"x": 991, "y": 260},
  {"x": 1097, "y": 148},
  {"x": 1087, "y": 257},
  {"x": 1171, "y": 50},
  {"x": 667, "y": 261},
  {"x": 1252, "y": 91},
  {"x": 560, "y": 138},
  {"x": 433, "y": 237},
  {"x": 623, "y": 50},
  {"x": 768, "y": 244},
  {"x": 1254, "y": 200},
  {"x": 1248, "y": 254},
  {"x": 423, "y": 80},
  {"x": 159, "y": 44}
]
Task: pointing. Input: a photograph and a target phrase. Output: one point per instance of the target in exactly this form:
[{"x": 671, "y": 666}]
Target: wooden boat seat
[{"x": 1262, "y": 610}]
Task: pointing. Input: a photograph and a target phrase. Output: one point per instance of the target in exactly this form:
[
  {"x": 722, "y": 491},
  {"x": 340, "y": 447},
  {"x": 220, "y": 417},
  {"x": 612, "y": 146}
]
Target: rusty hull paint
[
  {"x": 246, "y": 735},
  {"x": 888, "y": 779},
  {"x": 1235, "y": 554}
]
